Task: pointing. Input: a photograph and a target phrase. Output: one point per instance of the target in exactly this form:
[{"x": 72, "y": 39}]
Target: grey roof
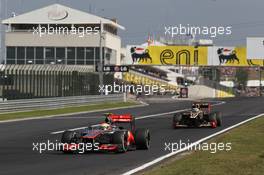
[{"x": 58, "y": 14}]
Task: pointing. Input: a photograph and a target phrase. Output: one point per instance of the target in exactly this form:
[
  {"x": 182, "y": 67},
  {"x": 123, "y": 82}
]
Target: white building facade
[{"x": 57, "y": 34}]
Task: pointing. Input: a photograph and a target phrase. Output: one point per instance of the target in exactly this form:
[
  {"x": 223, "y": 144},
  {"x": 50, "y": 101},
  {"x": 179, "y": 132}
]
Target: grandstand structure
[
  {"x": 57, "y": 34},
  {"x": 54, "y": 51}
]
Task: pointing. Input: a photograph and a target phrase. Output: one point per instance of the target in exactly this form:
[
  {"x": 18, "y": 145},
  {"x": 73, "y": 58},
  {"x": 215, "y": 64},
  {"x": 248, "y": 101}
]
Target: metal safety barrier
[{"x": 57, "y": 102}]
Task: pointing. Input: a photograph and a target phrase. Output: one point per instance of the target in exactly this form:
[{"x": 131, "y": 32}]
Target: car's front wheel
[
  {"x": 176, "y": 120},
  {"x": 219, "y": 118},
  {"x": 67, "y": 137},
  {"x": 142, "y": 138},
  {"x": 120, "y": 139}
]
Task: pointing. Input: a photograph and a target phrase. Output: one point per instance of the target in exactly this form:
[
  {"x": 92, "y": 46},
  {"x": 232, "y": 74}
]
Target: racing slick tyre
[
  {"x": 120, "y": 139},
  {"x": 67, "y": 137},
  {"x": 176, "y": 119},
  {"x": 219, "y": 118},
  {"x": 212, "y": 120},
  {"x": 142, "y": 139}
]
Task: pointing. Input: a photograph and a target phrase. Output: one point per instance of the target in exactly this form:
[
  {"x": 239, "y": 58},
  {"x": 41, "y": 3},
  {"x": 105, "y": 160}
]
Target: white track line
[
  {"x": 70, "y": 114},
  {"x": 139, "y": 118},
  {"x": 146, "y": 165}
]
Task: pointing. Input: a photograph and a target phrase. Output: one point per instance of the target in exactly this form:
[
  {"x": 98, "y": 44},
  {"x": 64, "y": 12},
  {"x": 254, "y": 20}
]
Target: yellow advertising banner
[
  {"x": 190, "y": 55},
  {"x": 168, "y": 55},
  {"x": 137, "y": 78},
  {"x": 231, "y": 56}
]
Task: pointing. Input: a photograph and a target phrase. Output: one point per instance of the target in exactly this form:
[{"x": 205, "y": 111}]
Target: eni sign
[
  {"x": 168, "y": 55},
  {"x": 191, "y": 56},
  {"x": 179, "y": 57},
  {"x": 57, "y": 14}
]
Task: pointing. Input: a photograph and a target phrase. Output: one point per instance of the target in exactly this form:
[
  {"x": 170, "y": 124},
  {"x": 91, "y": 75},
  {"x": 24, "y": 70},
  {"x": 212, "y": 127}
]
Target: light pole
[
  {"x": 2, "y": 31},
  {"x": 260, "y": 83},
  {"x": 100, "y": 67}
]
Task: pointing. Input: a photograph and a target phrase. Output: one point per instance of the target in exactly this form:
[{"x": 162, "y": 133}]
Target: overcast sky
[{"x": 141, "y": 17}]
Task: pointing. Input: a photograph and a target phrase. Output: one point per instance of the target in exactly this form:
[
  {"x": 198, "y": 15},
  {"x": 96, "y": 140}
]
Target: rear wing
[{"x": 123, "y": 118}]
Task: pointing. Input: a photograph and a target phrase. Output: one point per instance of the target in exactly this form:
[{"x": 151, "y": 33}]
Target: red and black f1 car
[
  {"x": 199, "y": 116},
  {"x": 117, "y": 134}
]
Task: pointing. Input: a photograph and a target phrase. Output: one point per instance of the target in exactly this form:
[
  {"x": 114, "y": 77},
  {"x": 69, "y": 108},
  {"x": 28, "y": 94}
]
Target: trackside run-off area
[
  {"x": 65, "y": 111},
  {"x": 246, "y": 156}
]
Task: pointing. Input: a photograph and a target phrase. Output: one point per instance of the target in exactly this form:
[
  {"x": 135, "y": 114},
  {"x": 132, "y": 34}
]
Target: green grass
[
  {"x": 66, "y": 110},
  {"x": 245, "y": 158}
]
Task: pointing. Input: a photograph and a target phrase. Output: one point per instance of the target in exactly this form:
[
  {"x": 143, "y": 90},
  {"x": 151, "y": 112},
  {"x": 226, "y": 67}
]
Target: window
[
  {"x": 60, "y": 55},
  {"x": 20, "y": 55},
  {"x": 39, "y": 55},
  {"x": 50, "y": 55},
  {"x": 71, "y": 55},
  {"x": 10, "y": 61},
  {"x": 80, "y": 55},
  {"x": 90, "y": 55},
  {"x": 97, "y": 55},
  {"x": 110, "y": 56},
  {"x": 30, "y": 55},
  {"x": 11, "y": 52},
  {"x": 10, "y": 55}
]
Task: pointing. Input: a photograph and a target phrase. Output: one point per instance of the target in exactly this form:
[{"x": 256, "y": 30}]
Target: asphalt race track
[{"x": 16, "y": 138}]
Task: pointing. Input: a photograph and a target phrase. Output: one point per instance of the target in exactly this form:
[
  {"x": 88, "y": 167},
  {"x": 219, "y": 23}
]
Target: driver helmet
[
  {"x": 105, "y": 126},
  {"x": 107, "y": 118},
  {"x": 197, "y": 106},
  {"x": 196, "y": 109}
]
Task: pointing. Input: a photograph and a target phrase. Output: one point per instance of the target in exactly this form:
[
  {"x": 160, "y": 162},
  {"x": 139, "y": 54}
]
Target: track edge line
[{"x": 159, "y": 159}]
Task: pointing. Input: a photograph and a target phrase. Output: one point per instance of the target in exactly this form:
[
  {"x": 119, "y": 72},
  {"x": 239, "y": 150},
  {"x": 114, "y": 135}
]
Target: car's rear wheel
[
  {"x": 120, "y": 139},
  {"x": 142, "y": 138},
  {"x": 212, "y": 120},
  {"x": 176, "y": 120}
]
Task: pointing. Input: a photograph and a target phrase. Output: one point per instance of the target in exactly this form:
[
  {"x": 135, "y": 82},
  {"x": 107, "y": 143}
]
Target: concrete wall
[
  {"x": 201, "y": 91},
  {"x": 29, "y": 39},
  {"x": 114, "y": 42}
]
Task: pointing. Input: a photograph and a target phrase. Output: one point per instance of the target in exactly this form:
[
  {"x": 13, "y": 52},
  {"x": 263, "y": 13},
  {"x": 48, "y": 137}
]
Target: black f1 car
[
  {"x": 199, "y": 116},
  {"x": 117, "y": 134}
]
